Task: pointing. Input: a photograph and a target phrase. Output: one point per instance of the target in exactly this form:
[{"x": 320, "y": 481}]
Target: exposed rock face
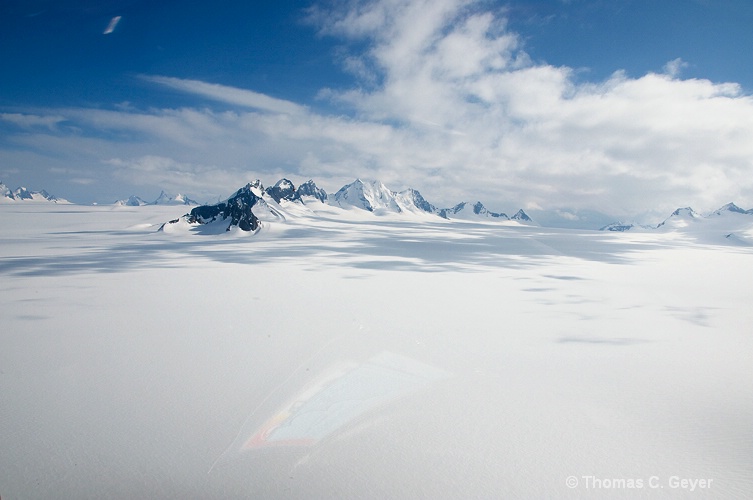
[
  {"x": 284, "y": 190},
  {"x": 309, "y": 188},
  {"x": 237, "y": 208}
]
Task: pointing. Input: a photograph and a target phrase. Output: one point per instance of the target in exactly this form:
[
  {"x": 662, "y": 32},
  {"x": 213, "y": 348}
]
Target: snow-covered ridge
[
  {"x": 373, "y": 196},
  {"x": 252, "y": 204},
  {"x": 162, "y": 199},
  {"x": 466, "y": 210},
  {"x": 23, "y": 194},
  {"x": 730, "y": 221}
]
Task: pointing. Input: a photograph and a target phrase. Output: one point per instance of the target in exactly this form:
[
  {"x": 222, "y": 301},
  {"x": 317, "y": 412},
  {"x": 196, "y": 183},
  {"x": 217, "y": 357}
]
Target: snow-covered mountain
[
  {"x": 24, "y": 194},
  {"x": 620, "y": 227},
  {"x": 730, "y": 208},
  {"x": 309, "y": 190},
  {"x": 372, "y": 196},
  {"x": 131, "y": 201},
  {"x": 162, "y": 199},
  {"x": 252, "y": 204},
  {"x": 521, "y": 216},
  {"x": 411, "y": 200},
  {"x": 246, "y": 209},
  {"x": 283, "y": 190},
  {"x": 730, "y": 221},
  {"x": 680, "y": 218},
  {"x": 466, "y": 210},
  {"x": 178, "y": 199},
  {"x": 236, "y": 211}
]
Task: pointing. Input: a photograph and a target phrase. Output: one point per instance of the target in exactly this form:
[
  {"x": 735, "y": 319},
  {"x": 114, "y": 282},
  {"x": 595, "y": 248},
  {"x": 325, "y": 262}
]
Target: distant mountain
[
  {"x": 132, "y": 201},
  {"x": 680, "y": 218},
  {"x": 178, "y": 199},
  {"x": 466, "y": 210},
  {"x": 23, "y": 194},
  {"x": 730, "y": 221},
  {"x": 162, "y": 199},
  {"x": 617, "y": 227},
  {"x": 521, "y": 216},
  {"x": 731, "y": 208}
]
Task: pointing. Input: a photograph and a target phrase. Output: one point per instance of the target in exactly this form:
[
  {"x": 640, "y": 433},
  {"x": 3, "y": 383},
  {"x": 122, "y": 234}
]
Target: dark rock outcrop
[
  {"x": 237, "y": 209},
  {"x": 283, "y": 190},
  {"x": 309, "y": 188}
]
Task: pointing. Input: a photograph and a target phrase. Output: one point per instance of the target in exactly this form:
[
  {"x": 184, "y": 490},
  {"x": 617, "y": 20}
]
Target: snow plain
[{"x": 369, "y": 357}]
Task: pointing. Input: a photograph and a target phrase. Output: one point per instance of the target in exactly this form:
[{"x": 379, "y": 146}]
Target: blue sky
[{"x": 629, "y": 105}]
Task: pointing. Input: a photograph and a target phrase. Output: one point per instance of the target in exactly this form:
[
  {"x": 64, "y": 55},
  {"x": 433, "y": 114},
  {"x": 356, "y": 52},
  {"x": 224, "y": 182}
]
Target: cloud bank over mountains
[{"x": 443, "y": 96}]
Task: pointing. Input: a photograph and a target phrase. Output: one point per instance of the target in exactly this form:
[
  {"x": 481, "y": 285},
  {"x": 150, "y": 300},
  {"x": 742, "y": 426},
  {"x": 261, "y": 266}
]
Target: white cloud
[
  {"x": 229, "y": 95},
  {"x": 111, "y": 25},
  {"x": 31, "y": 120},
  {"x": 674, "y": 67},
  {"x": 446, "y": 101},
  {"x": 530, "y": 130}
]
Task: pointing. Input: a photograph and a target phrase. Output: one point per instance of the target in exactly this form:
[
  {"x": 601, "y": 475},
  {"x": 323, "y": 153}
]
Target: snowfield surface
[{"x": 362, "y": 356}]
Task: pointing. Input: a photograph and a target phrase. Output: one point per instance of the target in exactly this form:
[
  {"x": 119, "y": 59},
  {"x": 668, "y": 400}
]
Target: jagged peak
[
  {"x": 283, "y": 190},
  {"x": 309, "y": 188},
  {"x": 520, "y": 215}
]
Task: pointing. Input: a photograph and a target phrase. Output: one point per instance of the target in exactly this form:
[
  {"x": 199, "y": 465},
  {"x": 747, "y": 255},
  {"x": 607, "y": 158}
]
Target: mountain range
[
  {"x": 162, "y": 199},
  {"x": 730, "y": 221},
  {"x": 251, "y": 204},
  {"x": 23, "y": 194}
]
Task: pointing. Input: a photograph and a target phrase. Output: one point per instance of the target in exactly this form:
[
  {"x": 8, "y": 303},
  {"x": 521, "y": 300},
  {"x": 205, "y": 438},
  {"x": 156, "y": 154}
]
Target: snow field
[{"x": 133, "y": 362}]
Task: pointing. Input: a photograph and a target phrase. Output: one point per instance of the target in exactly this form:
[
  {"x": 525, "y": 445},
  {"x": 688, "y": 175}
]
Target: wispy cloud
[
  {"x": 111, "y": 25},
  {"x": 229, "y": 95},
  {"x": 674, "y": 67},
  {"x": 29, "y": 121}
]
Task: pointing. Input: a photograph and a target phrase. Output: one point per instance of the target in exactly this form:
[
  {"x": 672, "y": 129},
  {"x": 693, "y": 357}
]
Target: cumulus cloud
[
  {"x": 446, "y": 100},
  {"x": 530, "y": 131}
]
